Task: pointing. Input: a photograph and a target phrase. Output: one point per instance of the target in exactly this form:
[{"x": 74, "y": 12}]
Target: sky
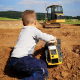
[{"x": 70, "y": 7}]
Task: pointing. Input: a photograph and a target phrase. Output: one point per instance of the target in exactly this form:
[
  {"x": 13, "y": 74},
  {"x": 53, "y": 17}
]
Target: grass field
[
  {"x": 69, "y": 21},
  {"x": 72, "y": 21},
  {"x": 5, "y": 18},
  {"x": 77, "y": 22}
]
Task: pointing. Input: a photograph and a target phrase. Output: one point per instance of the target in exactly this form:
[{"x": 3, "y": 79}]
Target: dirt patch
[
  {"x": 76, "y": 49},
  {"x": 70, "y": 48}
]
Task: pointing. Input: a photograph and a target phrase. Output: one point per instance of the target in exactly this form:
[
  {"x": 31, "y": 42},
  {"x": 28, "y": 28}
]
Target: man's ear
[{"x": 34, "y": 22}]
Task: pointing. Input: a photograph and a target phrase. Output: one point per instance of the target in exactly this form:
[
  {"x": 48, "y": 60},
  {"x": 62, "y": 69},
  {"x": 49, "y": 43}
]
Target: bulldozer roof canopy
[{"x": 53, "y": 5}]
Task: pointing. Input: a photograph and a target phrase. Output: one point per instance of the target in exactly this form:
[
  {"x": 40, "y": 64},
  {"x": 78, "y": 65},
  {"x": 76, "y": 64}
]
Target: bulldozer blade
[{"x": 53, "y": 25}]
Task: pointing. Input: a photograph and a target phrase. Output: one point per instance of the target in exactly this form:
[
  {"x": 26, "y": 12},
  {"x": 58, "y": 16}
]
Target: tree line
[
  {"x": 17, "y": 15},
  {"x": 11, "y": 14}
]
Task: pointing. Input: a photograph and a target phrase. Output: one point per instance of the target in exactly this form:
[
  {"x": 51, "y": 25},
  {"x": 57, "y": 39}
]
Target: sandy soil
[{"x": 70, "y": 48}]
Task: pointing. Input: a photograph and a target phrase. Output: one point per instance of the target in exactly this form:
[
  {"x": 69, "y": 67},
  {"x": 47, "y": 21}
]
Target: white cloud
[
  {"x": 34, "y": 2},
  {"x": 70, "y": 1},
  {"x": 40, "y": 2},
  {"x": 76, "y": 0},
  {"x": 38, "y": 6},
  {"x": 8, "y": 8},
  {"x": 26, "y": 2},
  {"x": 1, "y": 5}
]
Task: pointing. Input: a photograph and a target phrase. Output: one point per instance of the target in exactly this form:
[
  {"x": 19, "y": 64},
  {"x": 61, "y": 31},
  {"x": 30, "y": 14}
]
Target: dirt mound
[{"x": 70, "y": 48}]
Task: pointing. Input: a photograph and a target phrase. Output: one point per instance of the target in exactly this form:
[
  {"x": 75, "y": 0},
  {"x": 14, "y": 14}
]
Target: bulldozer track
[{"x": 52, "y": 25}]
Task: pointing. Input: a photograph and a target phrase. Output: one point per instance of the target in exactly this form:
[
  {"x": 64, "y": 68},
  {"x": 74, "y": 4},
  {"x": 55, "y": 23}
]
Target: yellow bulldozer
[{"x": 55, "y": 16}]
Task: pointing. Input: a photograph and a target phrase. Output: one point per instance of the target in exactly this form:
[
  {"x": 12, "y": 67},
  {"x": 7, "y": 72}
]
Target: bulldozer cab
[{"x": 55, "y": 14}]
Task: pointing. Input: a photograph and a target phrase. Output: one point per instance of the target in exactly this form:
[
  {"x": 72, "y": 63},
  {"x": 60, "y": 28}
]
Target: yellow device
[
  {"x": 55, "y": 16},
  {"x": 53, "y": 53}
]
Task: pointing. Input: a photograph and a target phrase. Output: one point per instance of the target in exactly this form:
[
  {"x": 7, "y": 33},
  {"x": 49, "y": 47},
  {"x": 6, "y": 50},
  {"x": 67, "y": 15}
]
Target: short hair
[{"x": 28, "y": 17}]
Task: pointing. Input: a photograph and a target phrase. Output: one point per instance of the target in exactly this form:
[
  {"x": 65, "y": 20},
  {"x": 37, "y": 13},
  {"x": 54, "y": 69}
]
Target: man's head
[{"x": 28, "y": 17}]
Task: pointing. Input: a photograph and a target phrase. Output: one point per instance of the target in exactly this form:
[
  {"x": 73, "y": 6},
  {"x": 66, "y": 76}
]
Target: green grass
[
  {"x": 4, "y": 18},
  {"x": 71, "y": 22}
]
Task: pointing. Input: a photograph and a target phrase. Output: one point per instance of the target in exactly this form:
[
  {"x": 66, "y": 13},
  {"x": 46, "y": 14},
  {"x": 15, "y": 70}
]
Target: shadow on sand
[{"x": 8, "y": 70}]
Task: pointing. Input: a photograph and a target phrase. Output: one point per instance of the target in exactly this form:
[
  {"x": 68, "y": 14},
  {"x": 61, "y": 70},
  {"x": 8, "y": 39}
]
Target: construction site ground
[{"x": 70, "y": 48}]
